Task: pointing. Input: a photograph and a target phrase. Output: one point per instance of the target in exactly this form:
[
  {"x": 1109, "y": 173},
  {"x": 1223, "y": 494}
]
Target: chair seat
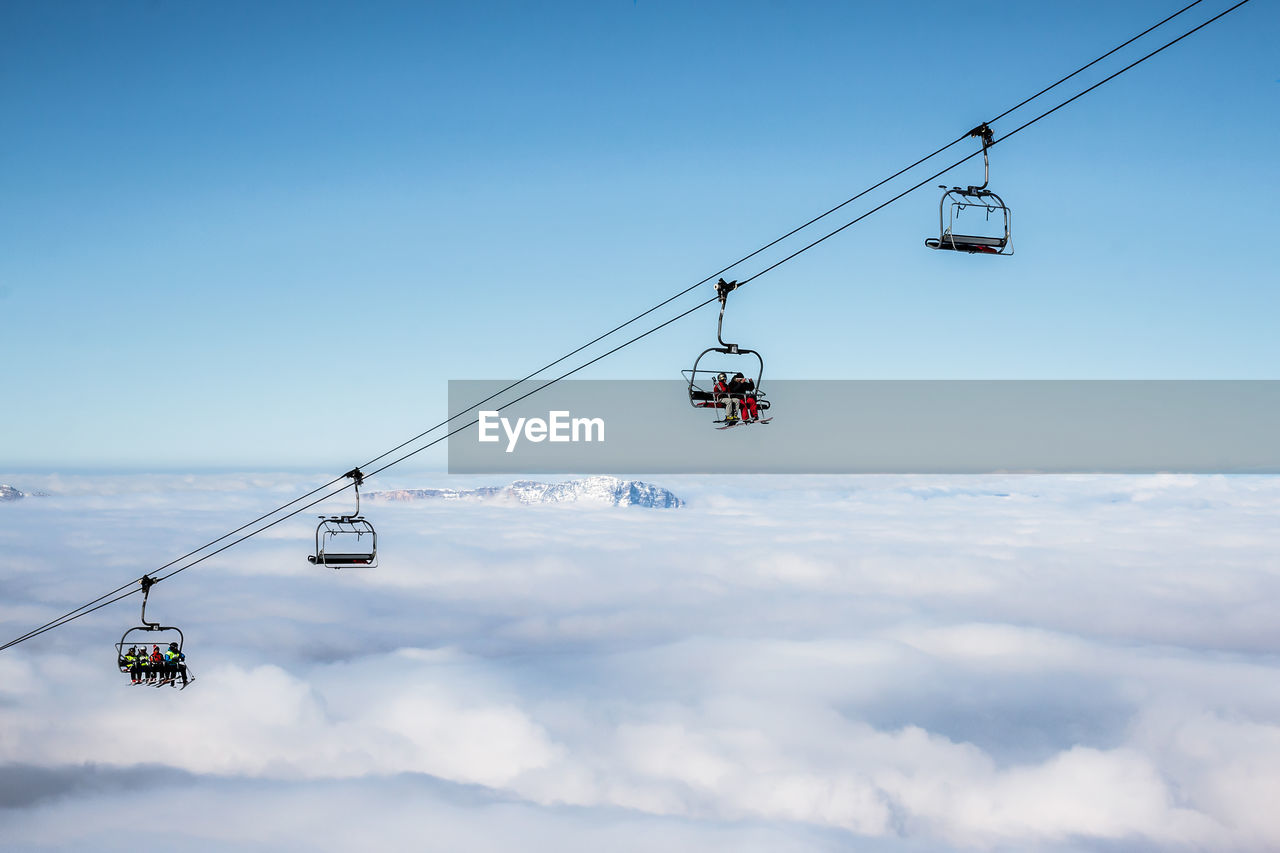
[
  {"x": 967, "y": 243},
  {"x": 341, "y": 559}
]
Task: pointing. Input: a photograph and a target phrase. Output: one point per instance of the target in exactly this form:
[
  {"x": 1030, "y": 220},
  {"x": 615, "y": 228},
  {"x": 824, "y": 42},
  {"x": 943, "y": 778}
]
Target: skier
[
  {"x": 722, "y": 392},
  {"x": 134, "y": 665},
  {"x": 174, "y": 666},
  {"x": 744, "y": 390},
  {"x": 156, "y": 663}
]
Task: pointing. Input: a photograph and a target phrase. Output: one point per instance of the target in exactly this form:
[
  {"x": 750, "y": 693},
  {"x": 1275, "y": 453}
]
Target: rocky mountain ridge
[{"x": 608, "y": 491}]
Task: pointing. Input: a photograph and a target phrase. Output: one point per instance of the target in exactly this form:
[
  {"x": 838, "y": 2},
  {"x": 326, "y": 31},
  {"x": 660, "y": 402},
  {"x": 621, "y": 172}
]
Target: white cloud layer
[{"x": 1018, "y": 663}]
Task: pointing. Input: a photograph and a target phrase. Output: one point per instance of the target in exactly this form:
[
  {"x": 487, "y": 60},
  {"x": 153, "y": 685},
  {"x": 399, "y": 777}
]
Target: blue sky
[{"x": 225, "y": 223}]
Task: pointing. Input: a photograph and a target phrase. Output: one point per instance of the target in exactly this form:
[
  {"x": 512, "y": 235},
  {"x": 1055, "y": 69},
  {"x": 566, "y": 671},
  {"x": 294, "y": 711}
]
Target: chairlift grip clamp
[
  {"x": 985, "y": 133},
  {"x": 724, "y": 288}
]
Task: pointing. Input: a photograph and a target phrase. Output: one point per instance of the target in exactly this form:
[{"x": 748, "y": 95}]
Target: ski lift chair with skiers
[
  {"x": 706, "y": 385},
  {"x": 141, "y": 669}
]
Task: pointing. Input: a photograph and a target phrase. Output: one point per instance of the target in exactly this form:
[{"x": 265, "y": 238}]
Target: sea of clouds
[{"x": 873, "y": 663}]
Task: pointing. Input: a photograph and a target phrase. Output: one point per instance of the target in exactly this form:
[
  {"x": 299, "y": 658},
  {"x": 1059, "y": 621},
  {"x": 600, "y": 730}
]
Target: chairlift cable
[
  {"x": 551, "y": 382},
  {"x": 432, "y": 443},
  {"x": 72, "y": 614},
  {"x": 1088, "y": 65},
  {"x": 778, "y": 240},
  {"x": 439, "y": 439},
  {"x": 62, "y": 621},
  {"x": 84, "y": 610},
  {"x": 1111, "y": 77},
  {"x": 99, "y": 603}
]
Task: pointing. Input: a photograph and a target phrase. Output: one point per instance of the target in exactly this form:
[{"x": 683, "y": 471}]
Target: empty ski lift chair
[
  {"x": 343, "y": 541},
  {"x": 989, "y": 237}
]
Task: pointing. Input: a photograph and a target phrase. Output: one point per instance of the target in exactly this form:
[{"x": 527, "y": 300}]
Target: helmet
[
  {"x": 173, "y": 645},
  {"x": 721, "y": 377},
  {"x": 738, "y": 376}
]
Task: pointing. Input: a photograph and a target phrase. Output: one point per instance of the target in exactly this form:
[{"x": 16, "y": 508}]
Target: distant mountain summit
[
  {"x": 9, "y": 493},
  {"x": 608, "y": 491}
]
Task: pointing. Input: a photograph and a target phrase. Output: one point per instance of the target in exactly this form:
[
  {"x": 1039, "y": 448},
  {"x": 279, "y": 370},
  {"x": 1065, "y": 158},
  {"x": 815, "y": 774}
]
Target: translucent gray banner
[{"x": 943, "y": 427}]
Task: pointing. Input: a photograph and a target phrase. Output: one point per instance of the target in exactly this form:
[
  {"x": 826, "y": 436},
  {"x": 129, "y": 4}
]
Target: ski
[{"x": 744, "y": 423}]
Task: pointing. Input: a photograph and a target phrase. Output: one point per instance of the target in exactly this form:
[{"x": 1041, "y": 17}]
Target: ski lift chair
[
  {"x": 701, "y": 380},
  {"x": 149, "y": 634},
  {"x": 991, "y": 236},
  {"x": 343, "y": 541}
]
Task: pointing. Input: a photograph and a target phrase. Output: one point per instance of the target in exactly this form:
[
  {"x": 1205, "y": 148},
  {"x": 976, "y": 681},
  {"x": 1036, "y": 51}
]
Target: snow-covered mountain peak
[{"x": 606, "y": 491}]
